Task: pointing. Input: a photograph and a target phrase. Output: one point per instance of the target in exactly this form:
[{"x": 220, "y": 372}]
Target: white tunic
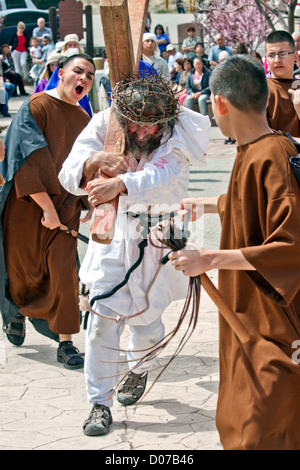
[{"x": 161, "y": 181}]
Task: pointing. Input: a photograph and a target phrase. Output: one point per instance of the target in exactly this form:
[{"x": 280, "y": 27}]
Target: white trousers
[
  {"x": 20, "y": 63},
  {"x": 103, "y": 344}
]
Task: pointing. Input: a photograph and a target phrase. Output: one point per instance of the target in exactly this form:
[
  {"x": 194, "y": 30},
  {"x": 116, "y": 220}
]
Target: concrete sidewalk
[{"x": 43, "y": 405}]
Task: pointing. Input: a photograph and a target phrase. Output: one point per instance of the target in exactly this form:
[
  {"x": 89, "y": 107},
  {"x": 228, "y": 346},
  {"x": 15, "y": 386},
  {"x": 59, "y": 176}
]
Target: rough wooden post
[{"x": 123, "y": 23}]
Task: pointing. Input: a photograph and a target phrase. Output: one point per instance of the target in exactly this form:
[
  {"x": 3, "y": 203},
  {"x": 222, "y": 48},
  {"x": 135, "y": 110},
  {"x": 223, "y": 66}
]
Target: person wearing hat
[
  {"x": 50, "y": 67},
  {"x": 150, "y": 54},
  {"x": 71, "y": 41},
  {"x": 173, "y": 55}
]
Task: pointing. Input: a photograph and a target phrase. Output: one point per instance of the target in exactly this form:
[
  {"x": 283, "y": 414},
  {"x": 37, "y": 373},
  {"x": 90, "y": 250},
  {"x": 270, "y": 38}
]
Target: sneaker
[
  {"x": 98, "y": 421},
  {"x": 132, "y": 388}
]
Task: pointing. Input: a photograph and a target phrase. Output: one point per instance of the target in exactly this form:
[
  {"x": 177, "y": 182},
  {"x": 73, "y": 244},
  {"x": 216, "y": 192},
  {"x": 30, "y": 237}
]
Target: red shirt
[{"x": 21, "y": 43}]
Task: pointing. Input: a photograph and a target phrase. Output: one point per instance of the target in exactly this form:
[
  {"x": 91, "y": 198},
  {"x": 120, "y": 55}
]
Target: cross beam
[{"x": 123, "y": 23}]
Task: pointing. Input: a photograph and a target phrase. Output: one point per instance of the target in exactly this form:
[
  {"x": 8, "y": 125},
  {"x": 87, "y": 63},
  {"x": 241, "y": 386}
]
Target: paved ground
[{"x": 43, "y": 405}]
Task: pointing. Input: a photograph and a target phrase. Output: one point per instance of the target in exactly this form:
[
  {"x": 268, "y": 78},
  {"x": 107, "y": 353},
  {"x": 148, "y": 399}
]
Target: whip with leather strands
[{"x": 170, "y": 236}]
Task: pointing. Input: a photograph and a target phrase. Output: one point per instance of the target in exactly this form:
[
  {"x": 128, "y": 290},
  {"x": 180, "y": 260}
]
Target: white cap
[{"x": 147, "y": 36}]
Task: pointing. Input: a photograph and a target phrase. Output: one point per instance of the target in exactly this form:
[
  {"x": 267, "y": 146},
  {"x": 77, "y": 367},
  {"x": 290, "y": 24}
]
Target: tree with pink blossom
[{"x": 247, "y": 21}]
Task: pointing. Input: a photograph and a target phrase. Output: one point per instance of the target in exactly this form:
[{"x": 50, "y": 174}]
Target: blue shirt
[
  {"x": 161, "y": 47},
  {"x": 215, "y": 52}
]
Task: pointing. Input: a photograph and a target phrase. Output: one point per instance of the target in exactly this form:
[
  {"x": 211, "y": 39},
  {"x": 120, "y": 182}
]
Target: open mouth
[{"x": 79, "y": 89}]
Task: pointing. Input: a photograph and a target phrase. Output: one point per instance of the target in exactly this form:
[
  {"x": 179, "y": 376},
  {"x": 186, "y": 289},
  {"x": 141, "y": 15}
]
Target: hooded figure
[{"x": 151, "y": 55}]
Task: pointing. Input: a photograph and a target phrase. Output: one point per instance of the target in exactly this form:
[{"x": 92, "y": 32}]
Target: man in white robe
[{"x": 160, "y": 181}]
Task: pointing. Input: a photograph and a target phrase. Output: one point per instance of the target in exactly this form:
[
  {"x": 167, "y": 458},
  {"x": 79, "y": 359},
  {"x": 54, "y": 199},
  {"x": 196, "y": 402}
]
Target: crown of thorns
[{"x": 145, "y": 100}]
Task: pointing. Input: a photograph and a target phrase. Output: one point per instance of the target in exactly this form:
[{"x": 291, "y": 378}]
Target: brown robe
[
  {"x": 258, "y": 405},
  {"x": 41, "y": 263},
  {"x": 281, "y": 113}
]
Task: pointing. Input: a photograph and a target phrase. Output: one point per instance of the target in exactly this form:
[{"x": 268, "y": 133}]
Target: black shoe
[
  {"x": 98, "y": 422},
  {"x": 227, "y": 141},
  {"x": 232, "y": 141},
  {"x": 132, "y": 388},
  {"x": 6, "y": 115}
]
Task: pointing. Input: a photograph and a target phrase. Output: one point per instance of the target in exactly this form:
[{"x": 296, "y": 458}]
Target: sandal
[
  {"x": 132, "y": 388},
  {"x": 69, "y": 355},
  {"x": 15, "y": 330},
  {"x": 98, "y": 421}
]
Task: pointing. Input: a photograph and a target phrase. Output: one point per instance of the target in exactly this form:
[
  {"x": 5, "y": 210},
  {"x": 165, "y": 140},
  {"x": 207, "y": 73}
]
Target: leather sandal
[
  {"x": 98, "y": 421},
  {"x": 15, "y": 330},
  {"x": 132, "y": 388},
  {"x": 69, "y": 355}
]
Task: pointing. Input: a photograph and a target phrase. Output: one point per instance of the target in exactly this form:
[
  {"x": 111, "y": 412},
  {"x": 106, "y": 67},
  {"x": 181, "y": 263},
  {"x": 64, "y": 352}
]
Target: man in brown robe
[
  {"x": 258, "y": 261},
  {"x": 281, "y": 56},
  {"x": 40, "y": 259}
]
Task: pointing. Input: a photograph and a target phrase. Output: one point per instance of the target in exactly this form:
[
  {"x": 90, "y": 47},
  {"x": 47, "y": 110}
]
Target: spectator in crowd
[
  {"x": 35, "y": 53},
  {"x": 41, "y": 29},
  {"x": 215, "y": 50},
  {"x": 50, "y": 67},
  {"x": 9, "y": 89},
  {"x": 258, "y": 57},
  {"x": 223, "y": 56},
  {"x": 296, "y": 37},
  {"x": 164, "y": 54},
  {"x": 189, "y": 43},
  {"x": 9, "y": 72},
  {"x": 176, "y": 77},
  {"x": 148, "y": 22},
  {"x": 187, "y": 67},
  {"x": 150, "y": 54},
  {"x": 200, "y": 52},
  {"x": 47, "y": 47},
  {"x": 173, "y": 55},
  {"x": 161, "y": 36},
  {"x": 19, "y": 44},
  {"x": 180, "y": 7},
  {"x": 240, "y": 48},
  {"x": 197, "y": 86}
]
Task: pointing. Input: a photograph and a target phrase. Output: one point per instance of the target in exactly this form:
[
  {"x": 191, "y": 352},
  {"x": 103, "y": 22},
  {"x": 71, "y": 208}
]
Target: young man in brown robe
[
  {"x": 281, "y": 56},
  {"x": 40, "y": 259},
  {"x": 258, "y": 261}
]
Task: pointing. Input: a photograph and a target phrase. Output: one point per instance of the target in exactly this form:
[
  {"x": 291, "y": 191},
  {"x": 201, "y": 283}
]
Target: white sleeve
[
  {"x": 161, "y": 181},
  {"x": 90, "y": 141}
]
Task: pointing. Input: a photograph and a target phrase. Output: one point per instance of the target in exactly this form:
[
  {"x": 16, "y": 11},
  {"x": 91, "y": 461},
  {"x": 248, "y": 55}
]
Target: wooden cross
[{"x": 123, "y": 23}]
